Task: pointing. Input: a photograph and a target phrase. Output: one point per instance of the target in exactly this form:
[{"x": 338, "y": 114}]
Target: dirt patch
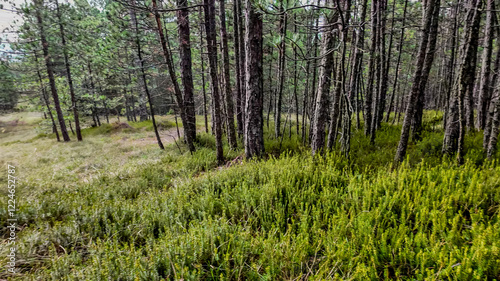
[
  {"x": 167, "y": 137},
  {"x": 121, "y": 125}
]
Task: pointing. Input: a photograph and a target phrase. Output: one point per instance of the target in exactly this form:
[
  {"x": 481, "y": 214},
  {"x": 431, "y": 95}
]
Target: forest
[{"x": 250, "y": 140}]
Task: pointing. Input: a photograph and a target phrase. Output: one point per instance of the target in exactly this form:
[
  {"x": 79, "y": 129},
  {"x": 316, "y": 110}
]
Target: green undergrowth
[
  {"x": 173, "y": 215},
  {"x": 285, "y": 218}
]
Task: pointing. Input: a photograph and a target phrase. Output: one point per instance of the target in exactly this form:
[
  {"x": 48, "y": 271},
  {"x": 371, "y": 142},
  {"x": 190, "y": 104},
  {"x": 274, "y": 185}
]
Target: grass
[{"x": 116, "y": 207}]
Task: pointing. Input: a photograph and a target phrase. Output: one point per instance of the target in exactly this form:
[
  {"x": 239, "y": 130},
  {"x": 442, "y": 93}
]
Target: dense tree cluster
[{"x": 320, "y": 68}]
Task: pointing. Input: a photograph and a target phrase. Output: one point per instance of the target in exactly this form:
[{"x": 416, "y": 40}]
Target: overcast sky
[{"x": 7, "y": 17}]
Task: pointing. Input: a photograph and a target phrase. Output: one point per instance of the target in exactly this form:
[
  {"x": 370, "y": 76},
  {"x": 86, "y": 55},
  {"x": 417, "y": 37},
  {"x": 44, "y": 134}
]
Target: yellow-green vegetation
[{"x": 115, "y": 207}]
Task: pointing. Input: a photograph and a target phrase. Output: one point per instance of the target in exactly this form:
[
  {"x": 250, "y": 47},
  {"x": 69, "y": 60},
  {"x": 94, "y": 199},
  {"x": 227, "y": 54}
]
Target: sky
[{"x": 6, "y": 20}]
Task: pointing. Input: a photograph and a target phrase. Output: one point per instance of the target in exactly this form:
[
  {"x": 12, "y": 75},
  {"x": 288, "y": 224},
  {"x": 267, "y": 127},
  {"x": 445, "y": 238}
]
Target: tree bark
[
  {"x": 281, "y": 71},
  {"x": 484, "y": 87},
  {"x": 146, "y": 89},
  {"x": 467, "y": 72},
  {"x": 143, "y": 112},
  {"x": 228, "y": 95},
  {"x": 495, "y": 129},
  {"x": 254, "y": 119},
  {"x": 46, "y": 99},
  {"x": 396, "y": 73},
  {"x": 212, "y": 60},
  {"x": 371, "y": 70},
  {"x": 242, "y": 61},
  {"x": 173, "y": 76},
  {"x": 420, "y": 77},
  {"x": 325, "y": 76},
  {"x": 202, "y": 58},
  {"x": 68, "y": 74},
  {"x": 450, "y": 118},
  {"x": 429, "y": 58},
  {"x": 189, "y": 123},
  {"x": 50, "y": 70},
  {"x": 239, "y": 85}
]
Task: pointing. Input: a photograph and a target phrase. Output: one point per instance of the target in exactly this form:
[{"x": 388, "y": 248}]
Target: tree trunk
[
  {"x": 281, "y": 71},
  {"x": 396, "y": 72},
  {"x": 189, "y": 123},
  {"x": 495, "y": 79},
  {"x": 484, "y": 87},
  {"x": 356, "y": 72},
  {"x": 325, "y": 75},
  {"x": 429, "y": 58},
  {"x": 420, "y": 77},
  {"x": 254, "y": 121},
  {"x": 146, "y": 89},
  {"x": 371, "y": 70},
  {"x": 46, "y": 99},
  {"x": 50, "y": 71},
  {"x": 68, "y": 74},
  {"x": 239, "y": 85},
  {"x": 143, "y": 112},
  {"x": 495, "y": 129},
  {"x": 228, "y": 95},
  {"x": 450, "y": 118},
  {"x": 202, "y": 58},
  {"x": 173, "y": 77},
  {"x": 242, "y": 59},
  {"x": 467, "y": 71},
  {"x": 212, "y": 59}
]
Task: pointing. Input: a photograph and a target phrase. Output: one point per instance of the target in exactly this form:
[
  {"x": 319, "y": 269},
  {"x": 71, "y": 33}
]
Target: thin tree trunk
[
  {"x": 281, "y": 72},
  {"x": 46, "y": 99},
  {"x": 495, "y": 129},
  {"x": 270, "y": 86},
  {"x": 467, "y": 72},
  {"x": 400, "y": 51},
  {"x": 491, "y": 105},
  {"x": 212, "y": 59},
  {"x": 295, "y": 79},
  {"x": 50, "y": 71},
  {"x": 358, "y": 60},
  {"x": 429, "y": 58},
  {"x": 420, "y": 77},
  {"x": 484, "y": 87},
  {"x": 202, "y": 58},
  {"x": 371, "y": 70},
  {"x": 68, "y": 74},
  {"x": 143, "y": 112},
  {"x": 239, "y": 108},
  {"x": 242, "y": 61},
  {"x": 144, "y": 80},
  {"x": 228, "y": 95},
  {"x": 173, "y": 76},
  {"x": 450, "y": 119}
]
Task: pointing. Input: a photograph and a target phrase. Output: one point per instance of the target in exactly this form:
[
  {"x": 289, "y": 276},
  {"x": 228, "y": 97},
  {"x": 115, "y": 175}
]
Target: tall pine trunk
[
  {"x": 189, "y": 122},
  {"x": 420, "y": 78},
  {"x": 68, "y": 74},
  {"x": 254, "y": 119},
  {"x": 173, "y": 76},
  {"x": 143, "y": 112},
  {"x": 212, "y": 61},
  {"x": 325, "y": 76},
  {"x": 50, "y": 70},
  {"x": 467, "y": 73},
  {"x": 281, "y": 72},
  {"x": 484, "y": 87},
  {"x": 228, "y": 94}
]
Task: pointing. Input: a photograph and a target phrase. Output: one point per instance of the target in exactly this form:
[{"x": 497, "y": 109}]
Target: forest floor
[{"x": 116, "y": 207}]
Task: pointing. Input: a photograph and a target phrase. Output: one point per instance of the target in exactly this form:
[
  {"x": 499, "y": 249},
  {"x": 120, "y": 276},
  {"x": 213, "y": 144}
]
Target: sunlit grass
[{"x": 116, "y": 207}]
